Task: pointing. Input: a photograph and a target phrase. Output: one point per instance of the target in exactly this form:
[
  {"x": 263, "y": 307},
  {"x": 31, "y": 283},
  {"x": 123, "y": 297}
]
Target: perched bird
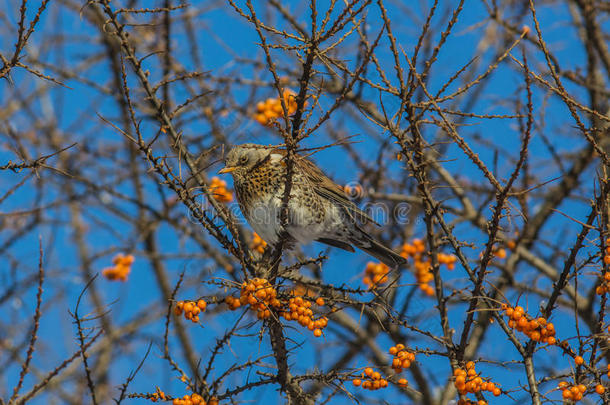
[{"x": 318, "y": 209}]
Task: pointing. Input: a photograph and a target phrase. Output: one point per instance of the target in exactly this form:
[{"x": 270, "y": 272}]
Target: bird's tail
[{"x": 386, "y": 255}]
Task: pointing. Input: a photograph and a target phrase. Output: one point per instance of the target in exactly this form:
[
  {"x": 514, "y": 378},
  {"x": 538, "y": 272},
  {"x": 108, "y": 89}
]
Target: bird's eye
[{"x": 243, "y": 159}]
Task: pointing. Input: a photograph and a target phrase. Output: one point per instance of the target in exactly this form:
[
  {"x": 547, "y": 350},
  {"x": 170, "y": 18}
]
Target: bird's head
[{"x": 243, "y": 158}]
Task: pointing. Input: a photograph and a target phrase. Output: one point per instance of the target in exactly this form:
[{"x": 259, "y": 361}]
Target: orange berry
[
  {"x": 368, "y": 371},
  {"x": 567, "y": 394},
  {"x": 551, "y": 340},
  {"x": 402, "y": 382},
  {"x": 393, "y": 350},
  {"x": 579, "y": 360},
  {"x": 600, "y": 389},
  {"x": 357, "y": 382},
  {"x": 562, "y": 384},
  {"x": 497, "y": 392},
  {"x": 376, "y": 375},
  {"x": 582, "y": 388},
  {"x": 607, "y": 259},
  {"x": 317, "y": 332},
  {"x": 320, "y": 301}
]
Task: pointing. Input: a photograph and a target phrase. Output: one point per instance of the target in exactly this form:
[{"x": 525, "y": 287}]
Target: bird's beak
[{"x": 227, "y": 169}]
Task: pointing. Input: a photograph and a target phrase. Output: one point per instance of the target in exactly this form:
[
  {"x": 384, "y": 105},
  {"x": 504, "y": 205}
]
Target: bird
[{"x": 318, "y": 208}]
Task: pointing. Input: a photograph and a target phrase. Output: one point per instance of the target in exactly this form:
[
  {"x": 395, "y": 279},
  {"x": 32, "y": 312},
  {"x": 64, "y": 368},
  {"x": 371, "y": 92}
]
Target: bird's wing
[{"x": 328, "y": 189}]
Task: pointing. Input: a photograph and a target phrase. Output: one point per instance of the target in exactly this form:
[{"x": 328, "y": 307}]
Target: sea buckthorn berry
[
  {"x": 469, "y": 381},
  {"x": 402, "y": 357},
  {"x": 121, "y": 269},
  {"x": 299, "y": 309},
  {"x": 539, "y": 329},
  {"x": 219, "y": 190},
  {"x": 371, "y": 380},
  {"x": 600, "y": 389},
  {"x": 191, "y": 309},
  {"x": 271, "y": 109},
  {"x": 258, "y": 244},
  {"x": 422, "y": 264},
  {"x": 500, "y": 253},
  {"x": 579, "y": 360},
  {"x": 375, "y": 274}
]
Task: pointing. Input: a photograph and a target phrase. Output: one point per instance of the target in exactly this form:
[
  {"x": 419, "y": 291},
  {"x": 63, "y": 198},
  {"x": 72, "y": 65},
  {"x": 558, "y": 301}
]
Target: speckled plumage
[{"x": 318, "y": 209}]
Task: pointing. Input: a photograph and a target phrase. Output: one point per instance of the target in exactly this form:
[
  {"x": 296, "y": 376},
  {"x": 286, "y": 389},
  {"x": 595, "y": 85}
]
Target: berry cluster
[
  {"x": 194, "y": 399},
  {"x": 221, "y": 192},
  {"x": 375, "y": 274},
  {"x": 402, "y": 357},
  {"x": 422, "y": 265},
  {"x": 191, "y": 309},
  {"x": 574, "y": 392},
  {"x": 121, "y": 268},
  {"x": 604, "y": 285},
  {"x": 259, "y": 294},
  {"x": 372, "y": 380},
  {"x": 468, "y": 381},
  {"x": 257, "y": 244},
  {"x": 299, "y": 310},
  {"x": 539, "y": 330},
  {"x": 267, "y": 111}
]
